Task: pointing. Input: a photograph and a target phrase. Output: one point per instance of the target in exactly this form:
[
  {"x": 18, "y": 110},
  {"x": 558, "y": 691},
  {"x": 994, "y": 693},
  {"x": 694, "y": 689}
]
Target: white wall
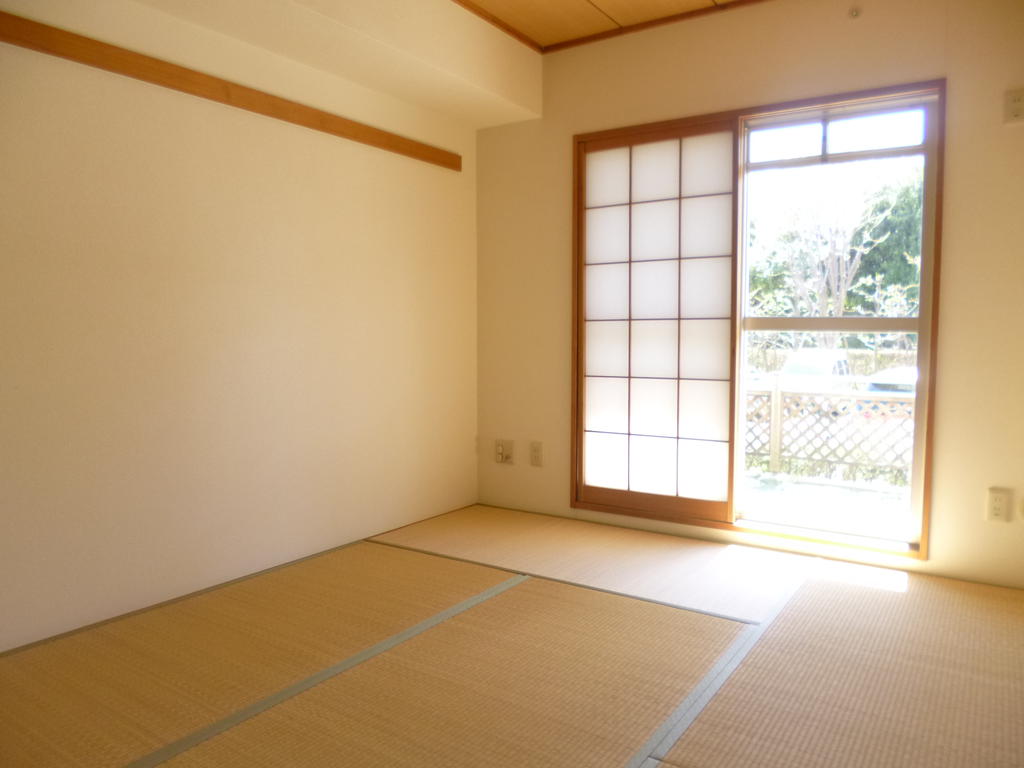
[
  {"x": 765, "y": 53},
  {"x": 225, "y": 341},
  {"x": 428, "y": 52}
]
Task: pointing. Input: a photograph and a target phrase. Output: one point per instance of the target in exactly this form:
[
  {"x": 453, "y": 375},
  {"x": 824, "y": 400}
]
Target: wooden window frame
[{"x": 719, "y": 515}]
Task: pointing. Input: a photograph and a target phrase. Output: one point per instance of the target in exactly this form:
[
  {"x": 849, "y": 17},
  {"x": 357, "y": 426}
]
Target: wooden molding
[
  {"x": 490, "y": 18},
  {"x": 85, "y": 50}
]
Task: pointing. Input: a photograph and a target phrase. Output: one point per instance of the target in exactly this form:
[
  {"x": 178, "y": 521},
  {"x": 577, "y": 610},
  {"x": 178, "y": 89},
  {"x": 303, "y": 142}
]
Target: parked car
[
  {"x": 807, "y": 370},
  {"x": 900, "y": 379}
]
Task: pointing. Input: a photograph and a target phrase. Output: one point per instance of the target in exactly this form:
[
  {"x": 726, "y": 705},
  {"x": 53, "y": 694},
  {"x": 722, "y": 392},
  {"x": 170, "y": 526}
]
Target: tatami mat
[
  {"x": 543, "y": 675},
  {"x": 726, "y": 580},
  {"x": 111, "y": 693},
  {"x": 854, "y": 677}
]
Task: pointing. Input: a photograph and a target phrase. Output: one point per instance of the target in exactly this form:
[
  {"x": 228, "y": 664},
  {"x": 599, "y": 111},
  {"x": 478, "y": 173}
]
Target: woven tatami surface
[
  {"x": 853, "y": 677},
  {"x": 738, "y": 582},
  {"x": 111, "y": 693},
  {"x": 543, "y": 675}
]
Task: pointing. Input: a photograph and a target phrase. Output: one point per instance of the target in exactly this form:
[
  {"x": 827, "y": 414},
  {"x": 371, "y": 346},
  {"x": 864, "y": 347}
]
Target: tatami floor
[{"x": 488, "y": 637}]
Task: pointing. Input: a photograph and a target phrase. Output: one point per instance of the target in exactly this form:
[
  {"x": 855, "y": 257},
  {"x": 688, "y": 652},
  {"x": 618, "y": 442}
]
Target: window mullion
[{"x": 840, "y": 324}]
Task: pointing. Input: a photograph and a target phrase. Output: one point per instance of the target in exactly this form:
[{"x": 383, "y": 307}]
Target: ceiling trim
[
  {"x": 719, "y": 5},
  {"x": 490, "y": 18},
  {"x": 43, "y": 38}
]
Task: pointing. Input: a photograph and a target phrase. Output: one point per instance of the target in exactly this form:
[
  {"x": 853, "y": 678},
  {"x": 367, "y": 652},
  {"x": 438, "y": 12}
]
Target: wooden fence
[{"x": 839, "y": 436}]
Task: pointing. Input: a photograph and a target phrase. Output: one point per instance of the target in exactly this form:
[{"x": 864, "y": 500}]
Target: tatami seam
[
  {"x": 661, "y": 742},
  {"x": 536, "y": 575},
  {"x": 197, "y": 737}
]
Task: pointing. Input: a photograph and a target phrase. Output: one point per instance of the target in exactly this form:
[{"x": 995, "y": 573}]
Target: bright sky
[{"x": 832, "y": 193}]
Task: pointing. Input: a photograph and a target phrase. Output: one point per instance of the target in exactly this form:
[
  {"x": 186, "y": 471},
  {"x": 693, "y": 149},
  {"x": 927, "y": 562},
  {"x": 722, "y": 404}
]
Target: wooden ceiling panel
[
  {"x": 627, "y": 12},
  {"x": 550, "y": 25},
  {"x": 545, "y": 22}
]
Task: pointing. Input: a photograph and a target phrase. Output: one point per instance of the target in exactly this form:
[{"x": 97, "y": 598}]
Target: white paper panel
[
  {"x": 652, "y": 407},
  {"x": 704, "y": 410},
  {"x": 607, "y": 405},
  {"x": 608, "y": 177},
  {"x": 655, "y": 230},
  {"x": 706, "y": 226},
  {"x": 704, "y": 349},
  {"x": 703, "y": 470},
  {"x": 706, "y": 288},
  {"x": 652, "y": 465},
  {"x": 607, "y": 235},
  {"x": 606, "y": 460},
  {"x": 707, "y": 164},
  {"x": 607, "y": 349},
  {"x": 607, "y": 291},
  {"x": 656, "y": 170},
  {"x": 655, "y": 289},
  {"x": 654, "y": 347}
]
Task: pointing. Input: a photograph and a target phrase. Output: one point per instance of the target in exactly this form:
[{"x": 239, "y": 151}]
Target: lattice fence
[
  {"x": 854, "y": 436},
  {"x": 759, "y": 423}
]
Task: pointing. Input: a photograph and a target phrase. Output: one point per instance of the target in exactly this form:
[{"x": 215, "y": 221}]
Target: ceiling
[{"x": 549, "y": 25}]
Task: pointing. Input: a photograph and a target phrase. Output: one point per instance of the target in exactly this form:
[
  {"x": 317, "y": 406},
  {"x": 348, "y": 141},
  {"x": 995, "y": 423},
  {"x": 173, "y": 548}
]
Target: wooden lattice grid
[
  {"x": 847, "y": 430},
  {"x": 856, "y": 435},
  {"x": 759, "y": 426}
]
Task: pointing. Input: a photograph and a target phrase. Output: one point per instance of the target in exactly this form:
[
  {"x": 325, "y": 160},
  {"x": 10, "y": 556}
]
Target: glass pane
[
  {"x": 703, "y": 470},
  {"x": 652, "y": 407},
  {"x": 606, "y": 460},
  {"x": 655, "y": 289},
  {"x": 607, "y": 350},
  {"x": 829, "y": 431},
  {"x": 652, "y": 465},
  {"x": 704, "y": 410},
  {"x": 707, "y": 164},
  {"x": 607, "y": 292},
  {"x": 706, "y": 288},
  {"x": 889, "y": 129},
  {"x": 656, "y": 170},
  {"x": 608, "y": 234},
  {"x": 839, "y": 239},
  {"x": 608, "y": 177},
  {"x": 653, "y": 348},
  {"x": 704, "y": 349},
  {"x": 607, "y": 405},
  {"x": 706, "y": 226},
  {"x": 655, "y": 230},
  {"x": 785, "y": 142}
]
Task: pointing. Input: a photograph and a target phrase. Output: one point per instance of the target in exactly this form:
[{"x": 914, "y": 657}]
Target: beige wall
[
  {"x": 428, "y": 52},
  {"x": 225, "y": 341},
  {"x": 769, "y": 52}
]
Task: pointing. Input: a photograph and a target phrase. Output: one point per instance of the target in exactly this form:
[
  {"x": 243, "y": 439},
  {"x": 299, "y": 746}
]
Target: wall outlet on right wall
[
  {"x": 1013, "y": 106},
  {"x": 999, "y": 505}
]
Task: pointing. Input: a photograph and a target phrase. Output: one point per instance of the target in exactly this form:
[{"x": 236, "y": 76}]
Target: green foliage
[
  {"x": 816, "y": 268},
  {"x": 893, "y": 246}
]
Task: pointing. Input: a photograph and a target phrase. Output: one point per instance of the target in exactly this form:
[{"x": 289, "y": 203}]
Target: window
[{"x": 754, "y": 320}]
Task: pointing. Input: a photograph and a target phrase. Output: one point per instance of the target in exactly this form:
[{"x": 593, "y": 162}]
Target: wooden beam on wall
[{"x": 85, "y": 50}]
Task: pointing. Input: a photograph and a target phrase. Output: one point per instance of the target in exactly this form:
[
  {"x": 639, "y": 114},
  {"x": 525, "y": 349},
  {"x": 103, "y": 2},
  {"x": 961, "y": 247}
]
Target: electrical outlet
[
  {"x": 1000, "y": 505},
  {"x": 1013, "y": 107},
  {"x": 536, "y": 453},
  {"x": 503, "y": 451}
]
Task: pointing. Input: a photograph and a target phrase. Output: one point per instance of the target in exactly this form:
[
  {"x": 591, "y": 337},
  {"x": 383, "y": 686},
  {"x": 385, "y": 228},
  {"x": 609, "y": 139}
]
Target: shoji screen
[{"x": 654, "y": 368}]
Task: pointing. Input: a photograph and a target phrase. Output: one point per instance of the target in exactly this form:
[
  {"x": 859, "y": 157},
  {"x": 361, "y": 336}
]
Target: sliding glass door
[{"x": 755, "y": 316}]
